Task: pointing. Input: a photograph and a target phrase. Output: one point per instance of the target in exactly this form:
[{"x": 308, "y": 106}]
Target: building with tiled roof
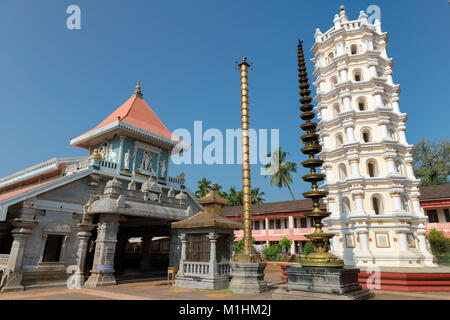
[
  {"x": 80, "y": 212},
  {"x": 275, "y": 220}
]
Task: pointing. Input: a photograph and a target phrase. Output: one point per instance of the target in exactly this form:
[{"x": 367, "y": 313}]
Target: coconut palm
[
  {"x": 204, "y": 186},
  {"x": 257, "y": 196},
  {"x": 281, "y": 171}
]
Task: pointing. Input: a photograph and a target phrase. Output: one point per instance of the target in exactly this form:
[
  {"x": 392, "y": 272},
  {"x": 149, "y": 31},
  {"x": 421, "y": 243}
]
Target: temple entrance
[{"x": 143, "y": 249}]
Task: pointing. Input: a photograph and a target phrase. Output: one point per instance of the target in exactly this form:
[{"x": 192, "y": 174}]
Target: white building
[{"x": 373, "y": 193}]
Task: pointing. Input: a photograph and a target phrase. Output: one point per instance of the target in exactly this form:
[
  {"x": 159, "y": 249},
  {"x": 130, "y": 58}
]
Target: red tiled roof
[
  {"x": 435, "y": 192},
  {"x": 273, "y": 207},
  {"x": 17, "y": 192},
  {"x": 136, "y": 112}
]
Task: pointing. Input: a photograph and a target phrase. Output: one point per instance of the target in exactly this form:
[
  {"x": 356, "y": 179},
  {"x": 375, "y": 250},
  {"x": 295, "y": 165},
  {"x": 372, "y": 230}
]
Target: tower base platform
[{"x": 406, "y": 279}]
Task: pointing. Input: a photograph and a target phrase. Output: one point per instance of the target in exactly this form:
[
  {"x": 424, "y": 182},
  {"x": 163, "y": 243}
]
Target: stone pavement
[{"x": 159, "y": 289}]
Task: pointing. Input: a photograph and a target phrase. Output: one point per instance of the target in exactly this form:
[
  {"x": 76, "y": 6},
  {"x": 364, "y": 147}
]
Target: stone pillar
[
  {"x": 145, "y": 263},
  {"x": 102, "y": 273},
  {"x": 213, "y": 237},
  {"x": 389, "y": 156},
  {"x": 183, "y": 239},
  {"x": 358, "y": 196},
  {"x": 12, "y": 279},
  {"x": 84, "y": 234},
  {"x": 373, "y": 69},
  {"x": 396, "y": 200}
]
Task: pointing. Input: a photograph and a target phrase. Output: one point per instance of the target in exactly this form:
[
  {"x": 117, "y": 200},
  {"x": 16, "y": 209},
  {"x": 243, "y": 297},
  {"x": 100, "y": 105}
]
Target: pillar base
[
  {"x": 248, "y": 277},
  {"x": 97, "y": 279},
  {"x": 322, "y": 284},
  {"x": 12, "y": 282}
]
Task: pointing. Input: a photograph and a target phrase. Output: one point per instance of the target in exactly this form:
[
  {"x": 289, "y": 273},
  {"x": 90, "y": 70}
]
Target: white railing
[
  {"x": 223, "y": 268},
  {"x": 351, "y": 25},
  {"x": 108, "y": 164},
  {"x": 74, "y": 167},
  {"x": 196, "y": 268}
]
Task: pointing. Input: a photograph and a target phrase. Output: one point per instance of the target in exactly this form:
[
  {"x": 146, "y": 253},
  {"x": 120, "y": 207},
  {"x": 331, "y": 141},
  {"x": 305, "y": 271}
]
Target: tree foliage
[
  {"x": 308, "y": 248},
  {"x": 438, "y": 242},
  {"x": 280, "y": 170},
  {"x": 235, "y": 198},
  {"x": 285, "y": 243},
  {"x": 432, "y": 162},
  {"x": 272, "y": 252}
]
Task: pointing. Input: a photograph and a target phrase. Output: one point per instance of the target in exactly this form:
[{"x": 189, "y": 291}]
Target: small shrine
[{"x": 207, "y": 240}]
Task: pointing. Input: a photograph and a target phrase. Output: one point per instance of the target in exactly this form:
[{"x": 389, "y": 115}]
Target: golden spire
[
  {"x": 137, "y": 92},
  {"x": 319, "y": 239}
]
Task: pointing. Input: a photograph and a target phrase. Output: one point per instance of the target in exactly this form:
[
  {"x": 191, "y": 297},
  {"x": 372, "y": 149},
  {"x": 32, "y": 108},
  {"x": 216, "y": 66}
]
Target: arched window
[
  {"x": 330, "y": 57},
  {"x": 372, "y": 169},
  {"x": 366, "y": 135},
  {"x": 334, "y": 82},
  {"x": 357, "y": 76},
  {"x": 342, "y": 171},
  {"x": 345, "y": 206},
  {"x": 339, "y": 140},
  {"x": 362, "y": 105},
  {"x": 336, "y": 110},
  {"x": 354, "y": 49},
  {"x": 377, "y": 205}
]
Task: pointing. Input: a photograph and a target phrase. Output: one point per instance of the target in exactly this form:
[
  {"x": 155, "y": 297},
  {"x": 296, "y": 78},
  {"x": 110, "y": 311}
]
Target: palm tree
[
  {"x": 204, "y": 186},
  {"x": 235, "y": 197},
  {"x": 257, "y": 196},
  {"x": 281, "y": 171}
]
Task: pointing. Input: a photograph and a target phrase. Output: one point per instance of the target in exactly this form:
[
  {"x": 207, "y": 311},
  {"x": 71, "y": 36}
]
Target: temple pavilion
[{"x": 72, "y": 218}]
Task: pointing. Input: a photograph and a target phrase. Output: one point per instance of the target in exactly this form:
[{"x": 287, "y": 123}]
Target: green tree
[
  {"x": 280, "y": 172},
  {"x": 438, "y": 242},
  {"x": 272, "y": 252},
  {"x": 257, "y": 196},
  {"x": 432, "y": 162},
  {"x": 308, "y": 248},
  {"x": 204, "y": 186},
  {"x": 239, "y": 245},
  {"x": 285, "y": 243}
]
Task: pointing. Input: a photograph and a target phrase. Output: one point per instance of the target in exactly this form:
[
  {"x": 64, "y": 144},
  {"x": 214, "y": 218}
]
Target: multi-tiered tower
[{"x": 372, "y": 191}]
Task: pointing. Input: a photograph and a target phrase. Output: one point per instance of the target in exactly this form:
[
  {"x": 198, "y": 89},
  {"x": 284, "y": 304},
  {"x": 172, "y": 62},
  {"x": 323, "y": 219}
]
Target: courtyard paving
[{"x": 159, "y": 289}]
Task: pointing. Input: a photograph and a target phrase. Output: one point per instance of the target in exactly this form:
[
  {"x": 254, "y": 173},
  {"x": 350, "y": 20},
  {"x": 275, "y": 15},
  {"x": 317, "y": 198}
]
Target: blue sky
[{"x": 57, "y": 83}]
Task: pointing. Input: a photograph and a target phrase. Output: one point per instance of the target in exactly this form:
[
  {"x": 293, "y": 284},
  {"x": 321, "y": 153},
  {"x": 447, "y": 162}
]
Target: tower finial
[
  {"x": 137, "y": 92},
  {"x": 342, "y": 7}
]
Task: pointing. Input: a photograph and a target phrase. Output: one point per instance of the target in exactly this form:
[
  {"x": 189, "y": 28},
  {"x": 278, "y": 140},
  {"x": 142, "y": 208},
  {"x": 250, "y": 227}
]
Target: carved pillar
[
  {"x": 145, "y": 264},
  {"x": 183, "y": 239},
  {"x": 12, "y": 280},
  {"x": 102, "y": 273},
  {"x": 84, "y": 234},
  {"x": 213, "y": 253}
]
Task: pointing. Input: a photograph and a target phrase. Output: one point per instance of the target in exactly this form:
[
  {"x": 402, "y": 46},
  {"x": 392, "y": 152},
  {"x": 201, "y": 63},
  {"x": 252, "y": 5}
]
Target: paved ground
[{"x": 159, "y": 289}]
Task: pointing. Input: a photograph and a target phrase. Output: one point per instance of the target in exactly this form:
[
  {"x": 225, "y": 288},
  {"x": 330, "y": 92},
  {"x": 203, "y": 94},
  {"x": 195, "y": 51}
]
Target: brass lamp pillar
[
  {"x": 247, "y": 254},
  {"x": 319, "y": 239},
  {"x": 247, "y": 267}
]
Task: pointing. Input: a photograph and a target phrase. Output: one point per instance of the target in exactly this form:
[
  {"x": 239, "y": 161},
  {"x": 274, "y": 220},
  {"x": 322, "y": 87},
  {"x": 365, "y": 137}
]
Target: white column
[
  {"x": 389, "y": 158},
  {"x": 350, "y": 134},
  {"x": 373, "y": 69},
  {"x": 396, "y": 201},
  {"x": 120, "y": 155},
  {"x": 378, "y": 100},
  {"x": 422, "y": 241},
  {"x": 402, "y": 241},
  {"x": 364, "y": 241},
  {"x": 388, "y": 74},
  {"x": 383, "y": 123},
  {"x": 401, "y": 134},
  {"x": 346, "y": 101},
  {"x": 395, "y": 106}
]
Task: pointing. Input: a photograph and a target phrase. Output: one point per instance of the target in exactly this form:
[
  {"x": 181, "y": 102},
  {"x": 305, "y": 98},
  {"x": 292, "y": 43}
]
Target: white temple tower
[{"x": 373, "y": 193}]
